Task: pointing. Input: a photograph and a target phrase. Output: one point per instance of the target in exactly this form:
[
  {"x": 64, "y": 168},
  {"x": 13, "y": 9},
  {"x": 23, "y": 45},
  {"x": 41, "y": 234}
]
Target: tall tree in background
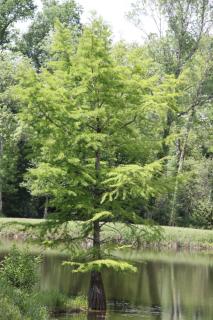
[
  {"x": 15, "y": 199},
  {"x": 8, "y": 128},
  {"x": 182, "y": 35},
  {"x": 35, "y": 42},
  {"x": 180, "y": 26},
  {"x": 11, "y": 12},
  {"x": 8, "y": 153}
]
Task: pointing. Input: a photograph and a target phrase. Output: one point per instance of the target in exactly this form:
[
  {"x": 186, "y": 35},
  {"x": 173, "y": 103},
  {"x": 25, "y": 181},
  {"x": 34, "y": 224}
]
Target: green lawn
[{"x": 188, "y": 235}]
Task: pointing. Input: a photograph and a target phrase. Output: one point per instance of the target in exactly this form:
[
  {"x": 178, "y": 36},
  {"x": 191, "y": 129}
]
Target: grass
[
  {"x": 13, "y": 225},
  {"x": 176, "y": 237},
  {"x": 57, "y": 302},
  {"x": 188, "y": 236},
  {"x": 18, "y": 304}
]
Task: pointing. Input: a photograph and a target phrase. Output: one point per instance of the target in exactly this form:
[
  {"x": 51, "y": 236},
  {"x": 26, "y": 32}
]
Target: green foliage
[
  {"x": 8, "y": 310},
  {"x": 36, "y": 41},
  {"x": 145, "y": 234},
  {"x": 86, "y": 109},
  {"x": 99, "y": 265},
  {"x": 74, "y": 135},
  {"x": 100, "y": 216},
  {"x": 183, "y": 50},
  {"x": 10, "y": 13},
  {"x": 9, "y": 128},
  {"x": 133, "y": 104},
  {"x": 19, "y": 269},
  {"x": 79, "y": 302},
  {"x": 21, "y": 304},
  {"x": 55, "y": 301},
  {"x": 133, "y": 180},
  {"x": 196, "y": 205},
  {"x": 174, "y": 42},
  {"x": 8, "y": 148},
  {"x": 35, "y": 311},
  {"x": 52, "y": 300}
]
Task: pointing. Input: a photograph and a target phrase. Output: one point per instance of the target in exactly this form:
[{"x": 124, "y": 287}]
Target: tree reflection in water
[
  {"x": 90, "y": 316},
  {"x": 96, "y": 316}
]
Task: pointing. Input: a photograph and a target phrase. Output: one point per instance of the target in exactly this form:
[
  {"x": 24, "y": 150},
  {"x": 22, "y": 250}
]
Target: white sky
[{"x": 114, "y": 13}]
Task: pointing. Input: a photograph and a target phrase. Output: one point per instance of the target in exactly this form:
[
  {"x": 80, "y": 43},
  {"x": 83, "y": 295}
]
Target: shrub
[
  {"x": 22, "y": 302},
  {"x": 34, "y": 311},
  {"x": 78, "y": 302},
  {"x": 9, "y": 311},
  {"x": 55, "y": 300},
  {"x": 52, "y": 300},
  {"x": 19, "y": 275},
  {"x": 19, "y": 269}
]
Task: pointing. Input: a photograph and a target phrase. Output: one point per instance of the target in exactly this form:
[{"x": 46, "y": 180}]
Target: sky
[{"x": 114, "y": 13}]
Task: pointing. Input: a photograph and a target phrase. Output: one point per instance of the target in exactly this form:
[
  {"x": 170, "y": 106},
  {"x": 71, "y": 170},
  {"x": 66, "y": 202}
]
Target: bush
[
  {"x": 22, "y": 302},
  {"x": 33, "y": 310},
  {"x": 9, "y": 311},
  {"x": 19, "y": 275},
  {"x": 19, "y": 269},
  {"x": 54, "y": 300},
  {"x": 51, "y": 299}
]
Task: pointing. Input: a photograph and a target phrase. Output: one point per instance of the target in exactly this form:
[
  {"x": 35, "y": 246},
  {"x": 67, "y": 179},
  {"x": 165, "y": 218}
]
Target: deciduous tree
[{"x": 86, "y": 108}]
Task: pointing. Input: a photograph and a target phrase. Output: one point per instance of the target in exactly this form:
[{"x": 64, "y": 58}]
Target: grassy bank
[
  {"x": 172, "y": 237},
  {"x": 21, "y": 297},
  {"x": 188, "y": 237}
]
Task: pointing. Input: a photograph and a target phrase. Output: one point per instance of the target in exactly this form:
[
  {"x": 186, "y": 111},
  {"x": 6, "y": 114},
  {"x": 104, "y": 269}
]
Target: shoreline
[{"x": 173, "y": 238}]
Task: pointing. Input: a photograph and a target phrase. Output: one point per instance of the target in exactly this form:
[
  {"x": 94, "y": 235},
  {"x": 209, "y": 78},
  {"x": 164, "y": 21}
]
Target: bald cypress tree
[{"x": 86, "y": 110}]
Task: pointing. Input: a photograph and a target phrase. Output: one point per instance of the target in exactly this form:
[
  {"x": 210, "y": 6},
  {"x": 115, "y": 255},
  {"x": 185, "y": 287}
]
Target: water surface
[{"x": 167, "y": 286}]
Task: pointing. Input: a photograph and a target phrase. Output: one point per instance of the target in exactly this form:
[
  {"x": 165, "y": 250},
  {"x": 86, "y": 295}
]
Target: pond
[{"x": 167, "y": 286}]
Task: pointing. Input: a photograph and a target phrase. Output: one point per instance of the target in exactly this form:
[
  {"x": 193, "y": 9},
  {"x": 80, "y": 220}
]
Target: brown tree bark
[
  {"x": 46, "y": 207},
  {"x": 96, "y": 315},
  {"x": 96, "y": 294}
]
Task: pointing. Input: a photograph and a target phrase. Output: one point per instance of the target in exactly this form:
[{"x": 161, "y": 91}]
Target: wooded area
[{"x": 91, "y": 129}]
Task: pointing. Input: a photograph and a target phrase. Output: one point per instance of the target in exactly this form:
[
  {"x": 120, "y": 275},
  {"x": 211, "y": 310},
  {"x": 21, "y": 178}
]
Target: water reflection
[
  {"x": 178, "y": 288},
  {"x": 96, "y": 316},
  {"x": 160, "y": 290}
]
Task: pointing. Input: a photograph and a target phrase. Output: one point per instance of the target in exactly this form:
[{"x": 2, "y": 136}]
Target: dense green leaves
[
  {"x": 19, "y": 269},
  {"x": 82, "y": 114},
  {"x": 10, "y": 13},
  {"x": 100, "y": 265},
  {"x": 35, "y": 42}
]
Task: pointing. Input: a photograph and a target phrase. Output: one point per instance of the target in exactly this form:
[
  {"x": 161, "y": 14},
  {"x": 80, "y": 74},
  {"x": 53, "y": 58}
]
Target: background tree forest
[{"x": 152, "y": 110}]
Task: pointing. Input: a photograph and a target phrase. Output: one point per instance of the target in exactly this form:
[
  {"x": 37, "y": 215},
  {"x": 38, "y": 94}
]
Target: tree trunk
[
  {"x": 1, "y": 202},
  {"x": 173, "y": 215},
  {"x": 96, "y": 294},
  {"x": 1, "y": 154},
  {"x": 46, "y": 207}
]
